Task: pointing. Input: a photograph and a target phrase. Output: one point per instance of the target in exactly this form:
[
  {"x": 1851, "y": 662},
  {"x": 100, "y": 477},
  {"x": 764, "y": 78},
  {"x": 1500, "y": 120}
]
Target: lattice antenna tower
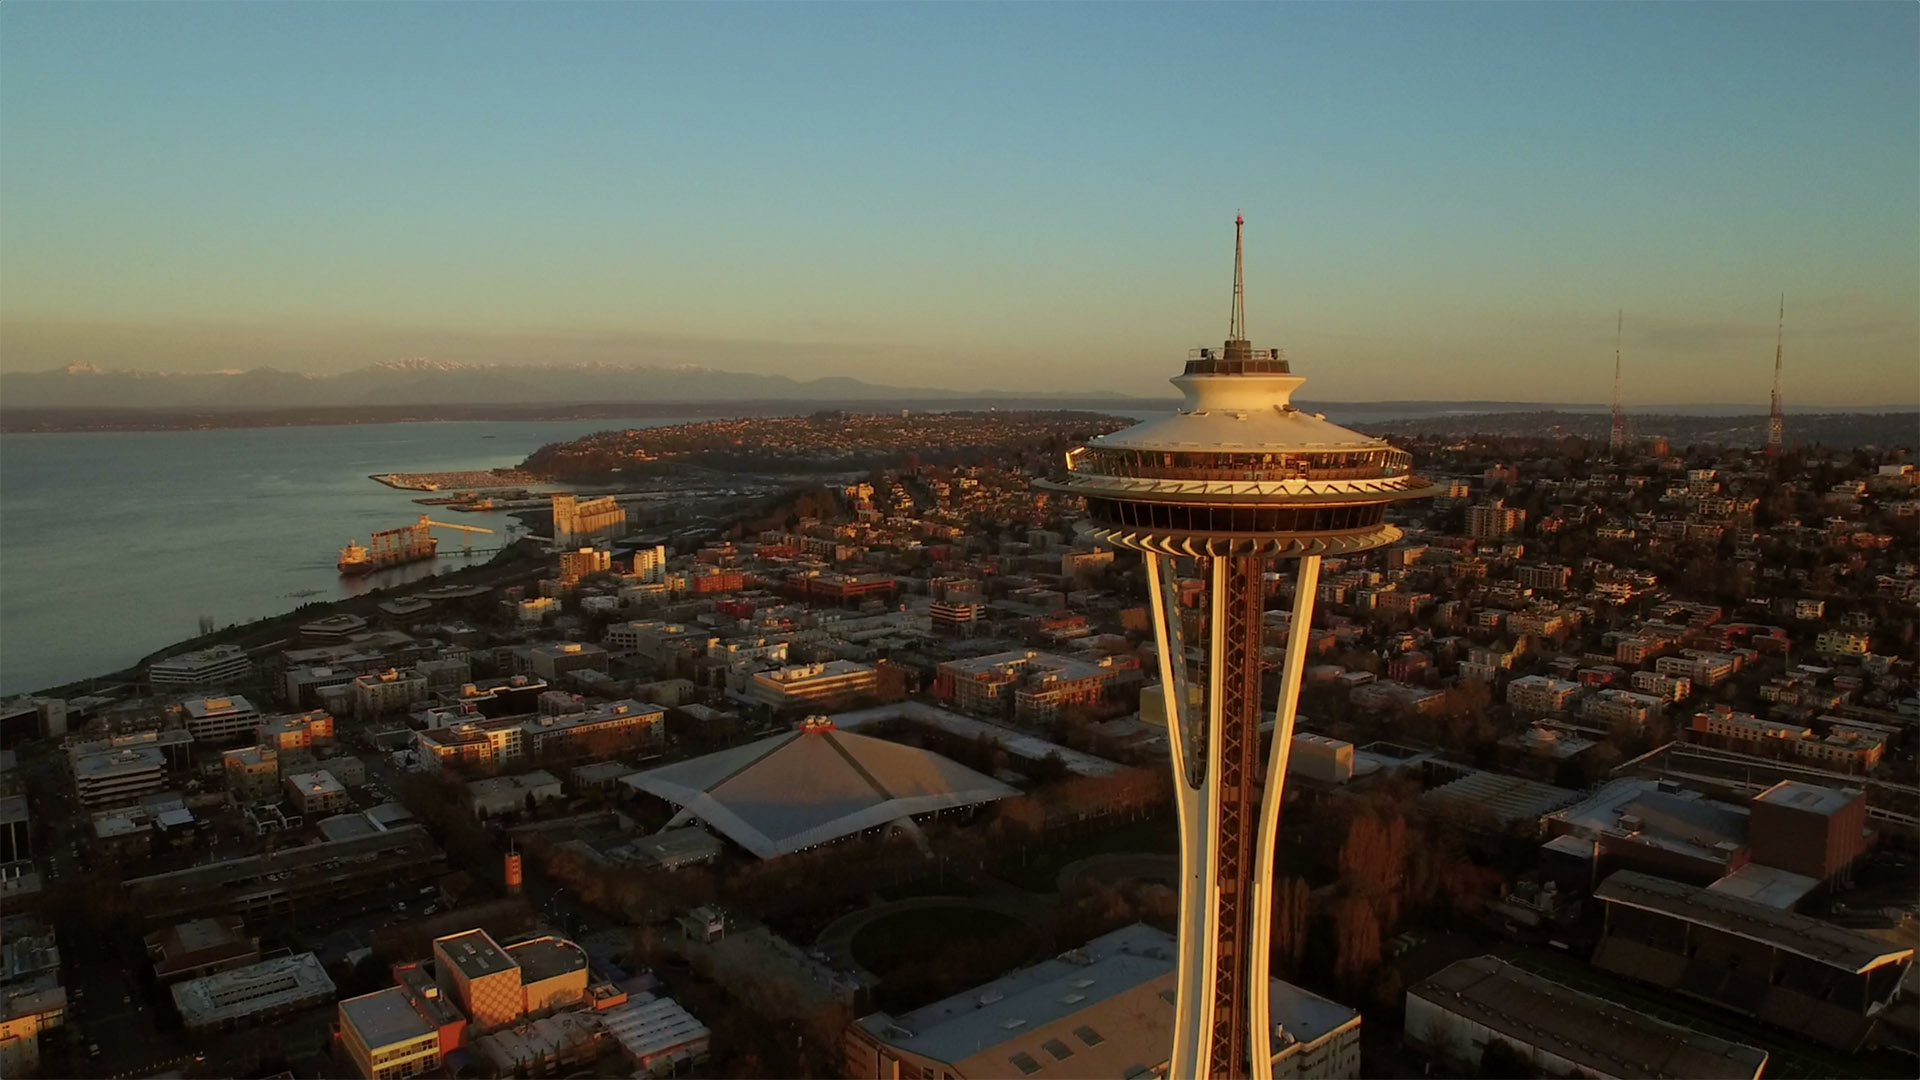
[
  {"x": 1776, "y": 423},
  {"x": 1617, "y": 437}
]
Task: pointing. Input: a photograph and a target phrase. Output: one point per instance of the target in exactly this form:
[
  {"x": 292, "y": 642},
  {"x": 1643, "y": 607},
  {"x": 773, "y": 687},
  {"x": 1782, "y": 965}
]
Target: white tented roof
[{"x": 808, "y": 787}]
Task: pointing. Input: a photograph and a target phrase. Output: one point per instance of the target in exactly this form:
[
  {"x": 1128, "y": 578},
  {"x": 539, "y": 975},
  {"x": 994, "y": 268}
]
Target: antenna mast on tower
[
  {"x": 1777, "y": 424},
  {"x": 1237, "y": 326},
  {"x": 1617, "y": 438}
]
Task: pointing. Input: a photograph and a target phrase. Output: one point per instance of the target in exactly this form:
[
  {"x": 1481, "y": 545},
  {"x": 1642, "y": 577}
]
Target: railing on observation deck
[
  {"x": 1135, "y": 466},
  {"x": 1257, "y": 362}
]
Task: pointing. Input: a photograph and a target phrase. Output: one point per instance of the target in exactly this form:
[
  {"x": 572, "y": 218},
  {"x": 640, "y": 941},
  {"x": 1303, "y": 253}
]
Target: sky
[{"x": 1443, "y": 201}]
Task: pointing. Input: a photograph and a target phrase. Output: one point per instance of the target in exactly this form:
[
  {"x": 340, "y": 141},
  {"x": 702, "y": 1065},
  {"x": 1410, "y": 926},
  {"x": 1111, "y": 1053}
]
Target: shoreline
[{"x": 522, "y": 551}]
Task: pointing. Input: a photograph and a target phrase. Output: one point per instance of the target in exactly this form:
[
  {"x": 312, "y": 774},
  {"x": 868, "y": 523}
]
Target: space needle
[{"x": 1234, "y": 479}]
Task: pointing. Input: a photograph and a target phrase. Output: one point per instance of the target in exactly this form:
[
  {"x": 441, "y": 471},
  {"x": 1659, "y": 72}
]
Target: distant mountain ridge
[
  {"x": 426, "y": 382},
  {"x": 420, "y": 381}
]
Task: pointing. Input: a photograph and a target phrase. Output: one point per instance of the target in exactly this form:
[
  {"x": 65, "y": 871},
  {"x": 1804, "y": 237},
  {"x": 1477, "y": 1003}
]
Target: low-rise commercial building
[
  {"x": 498, "y": 795},
  {"x": 1810, "y": 830},
  {"x": 1104, "y": 1009},
  {"x": 249, "y": 994},
  {"x": 387, "y": 1037},
  {"x": 803, "y": 684},
  {"x": 201, "y": 947},
  {"x": 109, "y": 777},
  {"x": 217, "y": 665},
  {"x": 479, "y": 977},
  {"x": 219, "y": 718},
  {"x": 339, "y": 874},
  {"x": 1558, "y": 1031},
  {"x": 552, "y": 661},
  {"x": 316, "y": 793}
]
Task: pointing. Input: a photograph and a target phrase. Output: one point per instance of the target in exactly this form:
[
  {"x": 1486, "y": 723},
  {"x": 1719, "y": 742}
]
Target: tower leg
[
  {"x": 1305, "y": 583},
  {"x": 1187, "y": 736}
]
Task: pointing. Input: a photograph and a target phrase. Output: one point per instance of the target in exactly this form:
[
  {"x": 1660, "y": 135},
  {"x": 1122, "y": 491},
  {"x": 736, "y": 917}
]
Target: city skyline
[{"x": 974, "y": 198}]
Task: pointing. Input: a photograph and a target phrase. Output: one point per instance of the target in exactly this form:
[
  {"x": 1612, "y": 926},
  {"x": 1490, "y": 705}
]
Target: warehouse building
[
  {"x": 1822, "y": 981},
  {"x": 1558, "y": 1031}
]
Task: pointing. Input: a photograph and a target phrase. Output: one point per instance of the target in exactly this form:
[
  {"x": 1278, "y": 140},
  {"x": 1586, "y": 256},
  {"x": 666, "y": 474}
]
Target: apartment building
[
  {"x": 1541, "y": 693},
  {"x": 1665, "y": 687},
  {"x": 389, "y": 691},
  {"x": 1494, "y": 520},
  {"x": 1841, "y": 643},
  {"x": 1613, "y": 707}
]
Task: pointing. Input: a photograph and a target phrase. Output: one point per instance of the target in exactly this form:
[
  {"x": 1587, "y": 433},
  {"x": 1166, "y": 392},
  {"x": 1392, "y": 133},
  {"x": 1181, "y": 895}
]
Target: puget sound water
[{"x": 114, "y": 544}]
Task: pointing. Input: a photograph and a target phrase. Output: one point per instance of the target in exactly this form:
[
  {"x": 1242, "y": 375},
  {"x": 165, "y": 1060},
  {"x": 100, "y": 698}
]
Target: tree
[
  {"x": 1356, "y": 938},
  {"x": 1292, "y": 902}
]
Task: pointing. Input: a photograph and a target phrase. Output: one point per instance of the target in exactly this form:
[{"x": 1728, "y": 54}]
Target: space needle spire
[{"x": 1234, "y": 481}]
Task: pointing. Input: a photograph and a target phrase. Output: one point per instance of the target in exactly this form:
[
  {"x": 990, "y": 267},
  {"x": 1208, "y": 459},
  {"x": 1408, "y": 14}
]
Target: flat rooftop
[
  {"x": 646, "y": 1025},
  {"x": 1017, "y": 1004},
  {"x": 1808, "y": 797},
  {"x": 110, "y": 763},
  {"x": 402, "y": 844},
  {"x": 1508, "y": 798},
  {"x": 201, "y": 708},
  {"x": 385, "y": 1017},
  {"x": 318, "y": 782},
  {"x": 547, "y": 958},
  {"x": 1594, "y": 1033},
  {"x": 474, "y": 953},
  {"x": 1836, "y": 946},
  {"x": 1768, "y": 885},
  {"x": 282, "y": 982}
]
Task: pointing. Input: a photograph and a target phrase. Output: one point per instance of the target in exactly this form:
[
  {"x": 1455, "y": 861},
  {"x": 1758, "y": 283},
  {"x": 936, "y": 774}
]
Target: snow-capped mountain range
[{"x": 424, "y": 381}]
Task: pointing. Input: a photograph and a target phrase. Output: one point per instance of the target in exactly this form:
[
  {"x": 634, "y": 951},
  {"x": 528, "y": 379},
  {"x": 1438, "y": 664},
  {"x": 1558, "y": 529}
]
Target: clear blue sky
[{"x": 1443, "y": 201}]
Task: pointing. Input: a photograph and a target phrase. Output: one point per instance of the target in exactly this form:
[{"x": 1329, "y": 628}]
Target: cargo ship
[{"x": 389, "y": 547}]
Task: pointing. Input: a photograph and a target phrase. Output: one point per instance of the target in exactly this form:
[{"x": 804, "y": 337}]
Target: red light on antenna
[{"x": 1238, "y": 220}]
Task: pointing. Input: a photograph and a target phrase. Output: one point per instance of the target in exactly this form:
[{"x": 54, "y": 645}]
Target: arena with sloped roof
[{"x": 813, "y": 785}]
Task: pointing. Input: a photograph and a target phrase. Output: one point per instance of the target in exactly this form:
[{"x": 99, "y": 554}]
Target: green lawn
[{"x": 906, "y": 937}]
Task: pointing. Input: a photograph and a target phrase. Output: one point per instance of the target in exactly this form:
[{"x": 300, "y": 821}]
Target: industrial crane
[{"x": 466, "y": 531}]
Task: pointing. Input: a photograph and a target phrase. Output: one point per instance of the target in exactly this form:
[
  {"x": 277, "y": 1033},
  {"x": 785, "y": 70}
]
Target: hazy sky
[{"x": 1443, "y": 201}]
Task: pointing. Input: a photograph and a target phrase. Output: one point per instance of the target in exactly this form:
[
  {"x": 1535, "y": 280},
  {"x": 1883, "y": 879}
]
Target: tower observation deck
[{"x": 1238, "y": 476}]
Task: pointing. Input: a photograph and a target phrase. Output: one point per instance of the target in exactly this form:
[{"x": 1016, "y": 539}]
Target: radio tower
[
  {"x": 1236, "y": 480},
  {"x": 1777, "y": 424},
  {"x": 1617, "y": 439}
]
